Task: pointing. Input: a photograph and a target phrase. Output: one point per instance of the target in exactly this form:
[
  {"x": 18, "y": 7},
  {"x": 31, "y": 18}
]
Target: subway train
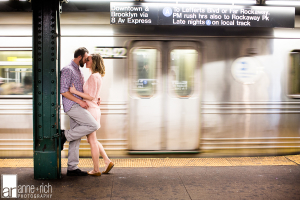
[{"x": 168, "y": 90}]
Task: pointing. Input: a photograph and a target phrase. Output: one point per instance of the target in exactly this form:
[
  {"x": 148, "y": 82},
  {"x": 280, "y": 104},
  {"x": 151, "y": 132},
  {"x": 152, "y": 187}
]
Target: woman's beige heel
[
  {"x": 110, "y": 166},
  {"x": 94, "y": 174}
]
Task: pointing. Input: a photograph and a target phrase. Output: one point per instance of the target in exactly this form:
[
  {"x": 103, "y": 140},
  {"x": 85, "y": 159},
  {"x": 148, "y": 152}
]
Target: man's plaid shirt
[{"x": 70, "y": 74}]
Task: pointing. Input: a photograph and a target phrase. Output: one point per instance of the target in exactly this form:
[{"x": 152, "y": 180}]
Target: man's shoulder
[{"x": 67, "y": 68}]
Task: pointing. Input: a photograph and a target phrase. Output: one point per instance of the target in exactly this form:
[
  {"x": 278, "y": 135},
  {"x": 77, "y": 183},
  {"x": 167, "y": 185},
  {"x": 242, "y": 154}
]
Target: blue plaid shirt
[{"x": 70, "y": 74}]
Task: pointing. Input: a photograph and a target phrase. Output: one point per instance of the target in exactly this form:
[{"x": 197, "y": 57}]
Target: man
[{"x": 81, "y": 121}]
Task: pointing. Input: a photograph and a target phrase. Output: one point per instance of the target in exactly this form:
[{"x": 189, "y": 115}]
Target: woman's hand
[{"x": 73, "y": 89}]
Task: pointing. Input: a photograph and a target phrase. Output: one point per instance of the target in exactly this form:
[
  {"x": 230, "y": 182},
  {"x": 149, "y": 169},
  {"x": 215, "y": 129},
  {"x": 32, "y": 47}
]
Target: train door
[
  {"x": 182, "y": 97},
  {"x": 164, "y": 103}
]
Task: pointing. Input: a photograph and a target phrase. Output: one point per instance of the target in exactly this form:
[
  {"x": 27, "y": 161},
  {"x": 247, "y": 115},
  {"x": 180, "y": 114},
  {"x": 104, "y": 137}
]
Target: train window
[
  {"x": 183, "y": 63},
  {"x": 294, "y": 75},
  {"x": 15, "y": 73},
  {"x": 145, "y": 72}
]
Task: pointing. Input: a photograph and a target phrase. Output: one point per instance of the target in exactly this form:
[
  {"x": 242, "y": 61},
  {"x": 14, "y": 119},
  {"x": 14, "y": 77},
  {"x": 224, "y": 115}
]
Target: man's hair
[{"x": 80, "y": 52}]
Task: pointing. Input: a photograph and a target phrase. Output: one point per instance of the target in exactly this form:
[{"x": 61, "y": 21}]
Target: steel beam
[{"x": 46, "y": 115}]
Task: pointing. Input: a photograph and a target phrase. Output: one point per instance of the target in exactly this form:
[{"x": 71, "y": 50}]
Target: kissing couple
[{"x": 81, "y": 101}]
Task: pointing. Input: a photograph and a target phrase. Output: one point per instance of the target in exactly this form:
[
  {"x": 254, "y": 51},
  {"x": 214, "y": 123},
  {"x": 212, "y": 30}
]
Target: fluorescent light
[
  {"x": 207, "y": 1},
  {"x": 15, "y": 49},
  {"x": 99, "y": 0},
  {"x": 285, "y": 33},
  {"x": 7, "y": 63},
  {"x": 160, "y": 0},
  {"x": 283, "y": 3},
  {"x": 174, "y": 1}
]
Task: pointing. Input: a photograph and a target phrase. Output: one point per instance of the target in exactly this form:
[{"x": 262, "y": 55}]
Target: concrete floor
[{"x": 229, "y": 182}]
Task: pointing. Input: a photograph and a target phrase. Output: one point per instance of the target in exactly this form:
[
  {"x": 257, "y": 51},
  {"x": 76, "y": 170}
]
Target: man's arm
[
  {"x": 81, "y": 94},
  {"x": 69, "y": 96},
  {"x": 65, "y": 82}
]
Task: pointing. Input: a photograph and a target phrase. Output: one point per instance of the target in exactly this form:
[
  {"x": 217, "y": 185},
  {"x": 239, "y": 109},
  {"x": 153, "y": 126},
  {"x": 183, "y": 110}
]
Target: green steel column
[{"x": 46, "y": 112}]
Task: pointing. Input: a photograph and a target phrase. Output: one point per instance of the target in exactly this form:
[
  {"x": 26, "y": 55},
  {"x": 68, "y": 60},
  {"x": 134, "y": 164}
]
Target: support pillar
[{"x": 46, "y": 95}]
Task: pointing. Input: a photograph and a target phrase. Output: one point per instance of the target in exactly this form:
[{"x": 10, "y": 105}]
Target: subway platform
[{"x": 167, "y": 178}]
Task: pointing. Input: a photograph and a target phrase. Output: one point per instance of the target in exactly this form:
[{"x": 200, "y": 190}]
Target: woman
[{"x": 91, "y": 89}]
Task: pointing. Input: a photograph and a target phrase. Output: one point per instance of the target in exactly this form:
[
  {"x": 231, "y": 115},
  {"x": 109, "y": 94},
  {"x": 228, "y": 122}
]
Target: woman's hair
[{"x": 98, "y": 64}]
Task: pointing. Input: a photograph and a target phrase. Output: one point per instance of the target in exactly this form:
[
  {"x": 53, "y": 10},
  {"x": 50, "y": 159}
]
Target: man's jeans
[{"x": 81, "y": 123}]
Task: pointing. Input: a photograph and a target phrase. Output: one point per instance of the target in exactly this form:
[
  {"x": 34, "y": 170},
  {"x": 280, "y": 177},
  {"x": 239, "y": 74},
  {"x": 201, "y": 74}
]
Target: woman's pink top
[{"x": 92, "y": 87}]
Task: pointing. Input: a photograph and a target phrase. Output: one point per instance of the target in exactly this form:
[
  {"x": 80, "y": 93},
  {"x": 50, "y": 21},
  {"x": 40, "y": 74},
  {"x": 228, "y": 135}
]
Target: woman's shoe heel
[
  {"x": 94, "y": 174},
  {"x": 110, "y": 166}
]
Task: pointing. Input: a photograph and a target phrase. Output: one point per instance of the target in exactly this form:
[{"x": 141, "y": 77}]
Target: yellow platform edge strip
[{"x": 170, "y": 162}]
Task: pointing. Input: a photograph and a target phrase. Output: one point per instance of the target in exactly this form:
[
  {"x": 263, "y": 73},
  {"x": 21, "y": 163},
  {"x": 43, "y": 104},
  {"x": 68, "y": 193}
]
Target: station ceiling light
[
  {"x": 283, "y": 3},
  {"x": 175, "y": 1},
  {"x": 102, "y": 0},
  {"x": 207, "y": 1}
]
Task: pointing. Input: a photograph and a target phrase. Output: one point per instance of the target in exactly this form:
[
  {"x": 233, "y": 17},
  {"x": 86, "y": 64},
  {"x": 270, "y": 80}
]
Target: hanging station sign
[
  {"x": 201, "y": 15},
  {"x": 111, "y": 52}
]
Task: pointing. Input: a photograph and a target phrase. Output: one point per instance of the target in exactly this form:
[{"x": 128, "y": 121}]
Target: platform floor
[
  {"x": 171, "y": 162},
  {"x": 171, "y": 178}
]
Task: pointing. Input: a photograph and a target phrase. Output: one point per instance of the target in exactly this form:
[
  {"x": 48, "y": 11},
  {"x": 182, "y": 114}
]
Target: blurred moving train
[{"x": 167, "y": 89}]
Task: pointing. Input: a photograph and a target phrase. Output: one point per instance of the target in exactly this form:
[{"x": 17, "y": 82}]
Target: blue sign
[
  {"x": 167, "y": 11},
  {"x": 208, "y": 22},
  {"x": 201, "y": 15}
]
